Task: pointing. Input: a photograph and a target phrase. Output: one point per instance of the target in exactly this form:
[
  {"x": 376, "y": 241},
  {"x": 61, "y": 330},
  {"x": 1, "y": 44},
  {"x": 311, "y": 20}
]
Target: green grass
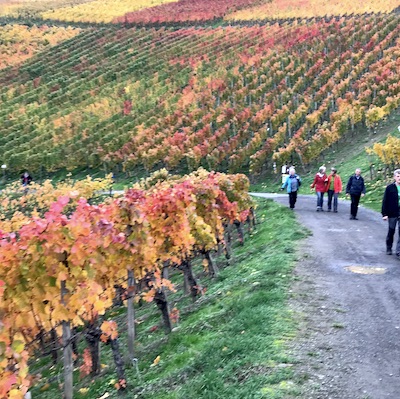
[{"x": 231, "y": 343}]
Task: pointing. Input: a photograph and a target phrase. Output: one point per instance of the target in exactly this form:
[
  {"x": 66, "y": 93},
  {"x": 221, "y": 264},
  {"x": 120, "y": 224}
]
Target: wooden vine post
[{"x": 131, "y": 314}]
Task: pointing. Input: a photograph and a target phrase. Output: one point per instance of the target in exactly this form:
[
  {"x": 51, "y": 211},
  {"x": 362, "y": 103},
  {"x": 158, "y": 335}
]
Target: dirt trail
[{"x": 349, "y": 346}]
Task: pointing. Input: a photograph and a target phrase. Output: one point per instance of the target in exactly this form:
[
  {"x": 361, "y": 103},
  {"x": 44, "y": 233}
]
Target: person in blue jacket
[{"x": 292, "y": 185}]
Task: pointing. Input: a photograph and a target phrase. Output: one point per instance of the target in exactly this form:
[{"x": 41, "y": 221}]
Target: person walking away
[
  {"x": 292, "y": 185},
  {"x": 334, "y": 189},
  {"x": 391, "y": 212},
  {"x": 356, "y": 189},
  {"x": 26, "y": 179},
  {"x": 320, "y": 184}
]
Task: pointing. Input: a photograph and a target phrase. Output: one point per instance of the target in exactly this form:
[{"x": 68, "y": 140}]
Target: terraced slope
[
  {"x": 227, "y": 98},
  {"x": 100, "y": 10},
  {"x": 20, "y": 42},
  {"x": 311, "y": 8},
  {"x": 29, "y": 8}
]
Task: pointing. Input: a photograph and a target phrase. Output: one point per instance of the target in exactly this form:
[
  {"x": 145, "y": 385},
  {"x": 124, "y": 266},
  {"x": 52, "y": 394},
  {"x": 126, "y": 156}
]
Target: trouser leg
[
  {"x": 292, "y": 199},
  {"x": 355, "y": 199},
  {"x": 398, "y": 238},
  {"x": 319, "y": 200},
  {"x": 391, "y": 230},
  {"x": 330, "y": 196},
  {"x": 335, "y": 201}
]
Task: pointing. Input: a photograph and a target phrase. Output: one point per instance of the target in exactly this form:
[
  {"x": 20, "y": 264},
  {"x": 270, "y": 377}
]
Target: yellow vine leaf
[{"x": 156, "y": 361}]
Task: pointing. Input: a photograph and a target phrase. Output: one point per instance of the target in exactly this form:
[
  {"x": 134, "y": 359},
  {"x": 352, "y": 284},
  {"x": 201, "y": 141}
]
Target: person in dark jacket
[
  {"x": 391, "y": 212},
  {"x": 356, "y": 188},
  {"x": 26, "y": 179}
]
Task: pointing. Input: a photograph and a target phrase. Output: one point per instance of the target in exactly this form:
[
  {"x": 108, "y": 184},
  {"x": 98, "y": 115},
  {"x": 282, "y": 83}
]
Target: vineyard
[
  {"x": 18, "y": 43},
  {"x": 312, "y": 8},
  {"x": 228, "y": 98},
  {"x": 193, "y": 95},
  {"x": 59, "y": 264},
  {"x": 29, "y": 8}
]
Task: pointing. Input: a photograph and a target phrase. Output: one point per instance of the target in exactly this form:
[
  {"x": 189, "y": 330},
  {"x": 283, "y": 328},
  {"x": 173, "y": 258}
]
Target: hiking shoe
[
  {"x": 329, "y": 210},
  {"x": 389, "y": 252},
  {"x": 334, "y": 211},
  {"x": 352, "y": 218}
]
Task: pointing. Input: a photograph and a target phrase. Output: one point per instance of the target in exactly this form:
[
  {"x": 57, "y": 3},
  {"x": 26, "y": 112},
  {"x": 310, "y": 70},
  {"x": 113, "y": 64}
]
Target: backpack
[{"x": 299, "y": 182}]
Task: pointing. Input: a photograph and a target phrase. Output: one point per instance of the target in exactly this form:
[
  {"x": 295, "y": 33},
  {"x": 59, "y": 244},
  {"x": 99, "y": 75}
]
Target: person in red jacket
[
  {"x": 320, "y": 184},
  {"x": 334, "y": 187}
]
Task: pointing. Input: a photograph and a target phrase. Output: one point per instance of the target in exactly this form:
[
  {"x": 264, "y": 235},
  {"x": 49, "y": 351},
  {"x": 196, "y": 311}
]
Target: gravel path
[{"x": 349, "y": 341}]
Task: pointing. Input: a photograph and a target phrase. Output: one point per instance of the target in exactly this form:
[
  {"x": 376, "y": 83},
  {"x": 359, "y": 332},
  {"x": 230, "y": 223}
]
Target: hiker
[
  {"x": 284, "y": 172},
  {"x": 292, "y": 184},
  {"x": 285, "y": 169},
  {"x": 356, "y": 189},
  {"x": 334, "y": 187},
  {"x": 320, "y": 184},
  {"x": 390, "y": 212},
  {"x": 26, "y": 179}
]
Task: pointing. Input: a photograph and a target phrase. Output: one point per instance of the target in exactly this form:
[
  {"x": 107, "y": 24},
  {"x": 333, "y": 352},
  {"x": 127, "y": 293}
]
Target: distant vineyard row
[
  {"x": 27, "y": 8},
  {"x": 19, "y": 42},
  {"x": 227, "y": 98},
  {"x": 190, "y": 10},
  {"x": 109, "y": 10},
  {"x": 100, "y": 10},
  {"x": 312, "y": 8},
  {"x": 161, "y": 11}
]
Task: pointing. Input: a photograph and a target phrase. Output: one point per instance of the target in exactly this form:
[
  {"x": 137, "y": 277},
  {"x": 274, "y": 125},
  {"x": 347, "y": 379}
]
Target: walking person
[
  {"x": 334, "y": 189},
  {"x": 356, "y": 189},
  {"x": 292, "y": 185},
  {"x": 391, "y": 212},
  {"x": 320, "y": 184}
]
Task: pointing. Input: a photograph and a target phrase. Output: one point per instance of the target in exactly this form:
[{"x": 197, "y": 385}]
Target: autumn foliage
[
  {"x": 62, "y": 266},
  {"x": 185, "y": 10},
  {"x": 19, "y": 42},
  {"x": 388, "y": 152},
  {"x": 230, "y": 98},
  {"x": 99, "y": 10},
  {"x": 311, "y": 8}
]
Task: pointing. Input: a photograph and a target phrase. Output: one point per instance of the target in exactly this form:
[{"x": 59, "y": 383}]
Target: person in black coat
[
  {"x": 391, "y": 212},
  {"x": 26, "y": 179},
  {"x": 356, "y": 188}
]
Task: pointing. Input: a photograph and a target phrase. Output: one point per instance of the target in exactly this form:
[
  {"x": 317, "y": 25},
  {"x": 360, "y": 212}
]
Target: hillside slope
[{"x": 225, "y": 98}]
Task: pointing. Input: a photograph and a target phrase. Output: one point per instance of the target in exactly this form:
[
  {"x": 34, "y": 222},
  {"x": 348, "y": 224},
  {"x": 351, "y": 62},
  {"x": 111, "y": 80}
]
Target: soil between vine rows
[{"x": 349, "y": 341}]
